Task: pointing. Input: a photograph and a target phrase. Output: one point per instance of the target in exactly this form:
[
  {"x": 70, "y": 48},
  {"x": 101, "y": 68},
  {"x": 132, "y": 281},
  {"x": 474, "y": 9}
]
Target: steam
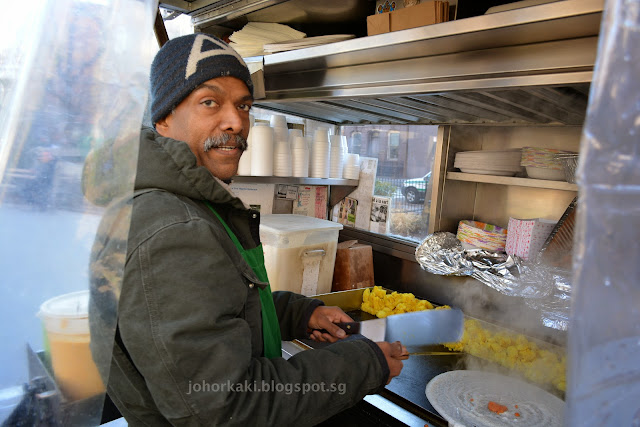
[{"x": 509, "y": 317}]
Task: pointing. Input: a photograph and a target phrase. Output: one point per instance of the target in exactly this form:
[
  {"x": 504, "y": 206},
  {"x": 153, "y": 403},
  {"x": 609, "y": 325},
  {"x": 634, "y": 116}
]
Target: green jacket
[{"x": 188, "y": 345}]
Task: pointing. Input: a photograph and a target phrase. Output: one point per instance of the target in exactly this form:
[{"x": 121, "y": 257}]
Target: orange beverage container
[{"x": 66, "y": 323}]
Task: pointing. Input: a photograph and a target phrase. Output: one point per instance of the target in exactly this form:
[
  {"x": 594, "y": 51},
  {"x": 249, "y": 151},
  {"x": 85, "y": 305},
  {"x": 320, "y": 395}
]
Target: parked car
[{"x": 415, "y": 189}]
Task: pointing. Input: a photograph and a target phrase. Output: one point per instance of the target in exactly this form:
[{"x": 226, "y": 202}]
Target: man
[{"x": 198, "y": 331}]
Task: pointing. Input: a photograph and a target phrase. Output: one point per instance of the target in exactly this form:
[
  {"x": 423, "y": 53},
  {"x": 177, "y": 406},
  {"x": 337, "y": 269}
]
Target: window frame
[
  {"x": 353, "y": 145},
  {"x": 389, "y": 135}
]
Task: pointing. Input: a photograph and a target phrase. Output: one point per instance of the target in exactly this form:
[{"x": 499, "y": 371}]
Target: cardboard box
[
  {"x": 353, "y": 266},
  {"x": 427, "y": 13}
]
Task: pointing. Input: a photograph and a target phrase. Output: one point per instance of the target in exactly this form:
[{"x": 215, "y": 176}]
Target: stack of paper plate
[
  {"x": 249, "y": 41},
  {"x": 482, "y": 235},
  {"x": 305, "y": 42},
  {"x": 485, "y": 162}
]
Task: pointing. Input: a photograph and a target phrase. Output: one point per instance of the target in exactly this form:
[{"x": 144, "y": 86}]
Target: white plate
[
  {"x": 544, "y": 173},
  {"x": 488, "y": 172},
  {"x": 305, "y": 42},
  {"x": 451, "y": 395}
]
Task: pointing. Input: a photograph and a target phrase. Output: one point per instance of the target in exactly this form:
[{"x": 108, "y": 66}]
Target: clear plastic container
[
  {"x": 66, "y": 323},
  {"x": 299, "y": 252}
]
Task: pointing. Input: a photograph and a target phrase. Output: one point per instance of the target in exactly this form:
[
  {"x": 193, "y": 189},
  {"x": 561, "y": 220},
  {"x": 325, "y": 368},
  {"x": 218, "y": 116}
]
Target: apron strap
[{"x": 271, "y": 338}]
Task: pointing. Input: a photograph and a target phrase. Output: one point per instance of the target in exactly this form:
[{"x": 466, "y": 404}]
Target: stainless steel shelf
[
  {"x": 510, "y": 180},
  {"x": 296, "y": 181},
  {"x": 526, "y": 66},
  {"x": 338, "y": 188}
]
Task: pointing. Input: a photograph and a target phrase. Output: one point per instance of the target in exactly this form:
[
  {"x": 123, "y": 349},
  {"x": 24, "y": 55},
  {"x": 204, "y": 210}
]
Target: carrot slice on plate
[{"x": 496, "y": 407}]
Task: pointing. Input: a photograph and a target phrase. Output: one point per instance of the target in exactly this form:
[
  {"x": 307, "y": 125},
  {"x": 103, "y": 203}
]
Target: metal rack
[{"x": 491, "y": 69}]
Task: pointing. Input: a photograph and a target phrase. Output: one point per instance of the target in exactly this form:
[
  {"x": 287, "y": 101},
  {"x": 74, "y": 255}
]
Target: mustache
[{"x": 226, "y": 139}]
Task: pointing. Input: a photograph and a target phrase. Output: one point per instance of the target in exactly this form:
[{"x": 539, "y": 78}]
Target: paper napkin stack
[{"x": 525, "y": 237}]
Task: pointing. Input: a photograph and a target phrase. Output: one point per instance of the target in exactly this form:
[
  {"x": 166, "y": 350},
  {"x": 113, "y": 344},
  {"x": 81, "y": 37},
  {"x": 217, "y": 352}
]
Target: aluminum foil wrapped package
[
  {"x": 546, "y": 289},
  {"x": 441, "y": 253}
]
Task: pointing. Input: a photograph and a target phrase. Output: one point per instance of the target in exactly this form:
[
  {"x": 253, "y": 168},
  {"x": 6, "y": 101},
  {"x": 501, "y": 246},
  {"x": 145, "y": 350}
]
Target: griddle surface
[{"x": 409, "y": 387}]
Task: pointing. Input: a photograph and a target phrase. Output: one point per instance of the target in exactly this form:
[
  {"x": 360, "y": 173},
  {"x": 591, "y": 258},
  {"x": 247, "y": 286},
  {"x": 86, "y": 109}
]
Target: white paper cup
[
  {"x": 351, "y": 172},
  {"x": 321, "y": 135},
  {"x": 299, "y": 143},
  {"x": 262, "y": 151},
  {"x": 352, "y": 160},
  {"x": 293, "y": 134},
  {"x": 278, "y": 120}
]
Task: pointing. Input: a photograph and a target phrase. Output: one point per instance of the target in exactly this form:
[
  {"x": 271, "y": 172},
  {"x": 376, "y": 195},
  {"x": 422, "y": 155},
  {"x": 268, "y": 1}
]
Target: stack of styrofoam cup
[
  {"x": 280, "y": 131},
  {"x": 282, "y": 159},
  {"x": 300, "y": 157},
  {"x": 244, "y": 165},
  {"x": 319, "y": 159},
  {"x": 263, "y": 150},
  {"x": 351, "y": 167},
  {"x": 336, "y": 156},
  {"x": 282, "y": 148},
  {"x": 293, "y": 133}
]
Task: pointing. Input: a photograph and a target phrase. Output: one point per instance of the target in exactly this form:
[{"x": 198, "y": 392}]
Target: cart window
[
  {"x": 393, "y": 145},
  {"x": 403, "y": 178}
]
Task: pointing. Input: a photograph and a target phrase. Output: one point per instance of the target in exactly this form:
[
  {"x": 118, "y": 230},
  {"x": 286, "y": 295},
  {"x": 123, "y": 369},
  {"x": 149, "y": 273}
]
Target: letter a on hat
[{"x": 197, "y": 54}]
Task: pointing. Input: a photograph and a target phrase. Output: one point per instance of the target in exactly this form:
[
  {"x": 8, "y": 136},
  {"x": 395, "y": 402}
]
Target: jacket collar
[{"x": 170, "y": 164}]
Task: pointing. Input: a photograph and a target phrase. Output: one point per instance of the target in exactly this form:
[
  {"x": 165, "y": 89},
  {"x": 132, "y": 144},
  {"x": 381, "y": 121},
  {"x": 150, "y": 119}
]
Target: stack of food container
[{"x": 543, "y": 163}]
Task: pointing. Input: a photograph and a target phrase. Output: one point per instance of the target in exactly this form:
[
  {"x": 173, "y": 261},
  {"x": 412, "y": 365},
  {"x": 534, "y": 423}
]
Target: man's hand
[
  {"x": 326, "y": 318},
  {"x": 395, "y": 353}
]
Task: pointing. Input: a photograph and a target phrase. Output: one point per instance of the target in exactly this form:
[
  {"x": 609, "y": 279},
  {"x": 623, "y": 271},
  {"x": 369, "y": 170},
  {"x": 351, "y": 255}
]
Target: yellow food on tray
[
  {"x": 378, "y": 302},
  {"x": 513, "y": 351}
]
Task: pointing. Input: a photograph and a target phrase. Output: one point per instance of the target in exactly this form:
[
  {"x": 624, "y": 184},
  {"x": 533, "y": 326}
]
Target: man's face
[{"x": 217, "y": 107}]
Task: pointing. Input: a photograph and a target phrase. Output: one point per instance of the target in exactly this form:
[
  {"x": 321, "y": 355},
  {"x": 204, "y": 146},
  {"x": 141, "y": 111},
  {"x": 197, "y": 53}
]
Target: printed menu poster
[
  {"x": 347, "y": 212},
  {"x": 378, "y": 221},
  {"x": 363, "y": 194},
  {"x": 311, "y": 201},
  {"x": 289, "y": 192}
]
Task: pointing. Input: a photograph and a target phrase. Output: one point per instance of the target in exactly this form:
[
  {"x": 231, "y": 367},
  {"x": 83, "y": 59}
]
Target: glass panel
[
  {"x": 75, "y": 76},
  {"x": 373, "y": 144},
  {"x": 355, "y": 142},
  {"x": 403, "y": 178},
  {"x": 393, "y": 146}
]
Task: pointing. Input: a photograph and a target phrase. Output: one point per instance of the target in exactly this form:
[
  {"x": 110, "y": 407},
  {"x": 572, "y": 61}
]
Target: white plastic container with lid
[{"x": 299, "y": 252}]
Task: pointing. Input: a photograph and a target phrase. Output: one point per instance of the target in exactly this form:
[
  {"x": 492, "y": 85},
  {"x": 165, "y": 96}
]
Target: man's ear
[{"x": 162, "y": 126}]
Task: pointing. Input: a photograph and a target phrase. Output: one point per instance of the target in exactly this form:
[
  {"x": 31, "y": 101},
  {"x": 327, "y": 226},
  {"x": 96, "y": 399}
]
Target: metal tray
[{"x": 408, "y": 389}]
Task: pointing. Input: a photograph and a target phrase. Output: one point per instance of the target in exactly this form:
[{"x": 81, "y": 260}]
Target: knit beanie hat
[{"x": 184, "y": 63}]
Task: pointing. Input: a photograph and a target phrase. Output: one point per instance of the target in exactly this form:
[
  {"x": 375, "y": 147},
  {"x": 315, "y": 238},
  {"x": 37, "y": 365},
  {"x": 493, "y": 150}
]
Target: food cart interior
[
  {"x": 489, "y": 82},
  {"x": 516, "y": 78}
]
